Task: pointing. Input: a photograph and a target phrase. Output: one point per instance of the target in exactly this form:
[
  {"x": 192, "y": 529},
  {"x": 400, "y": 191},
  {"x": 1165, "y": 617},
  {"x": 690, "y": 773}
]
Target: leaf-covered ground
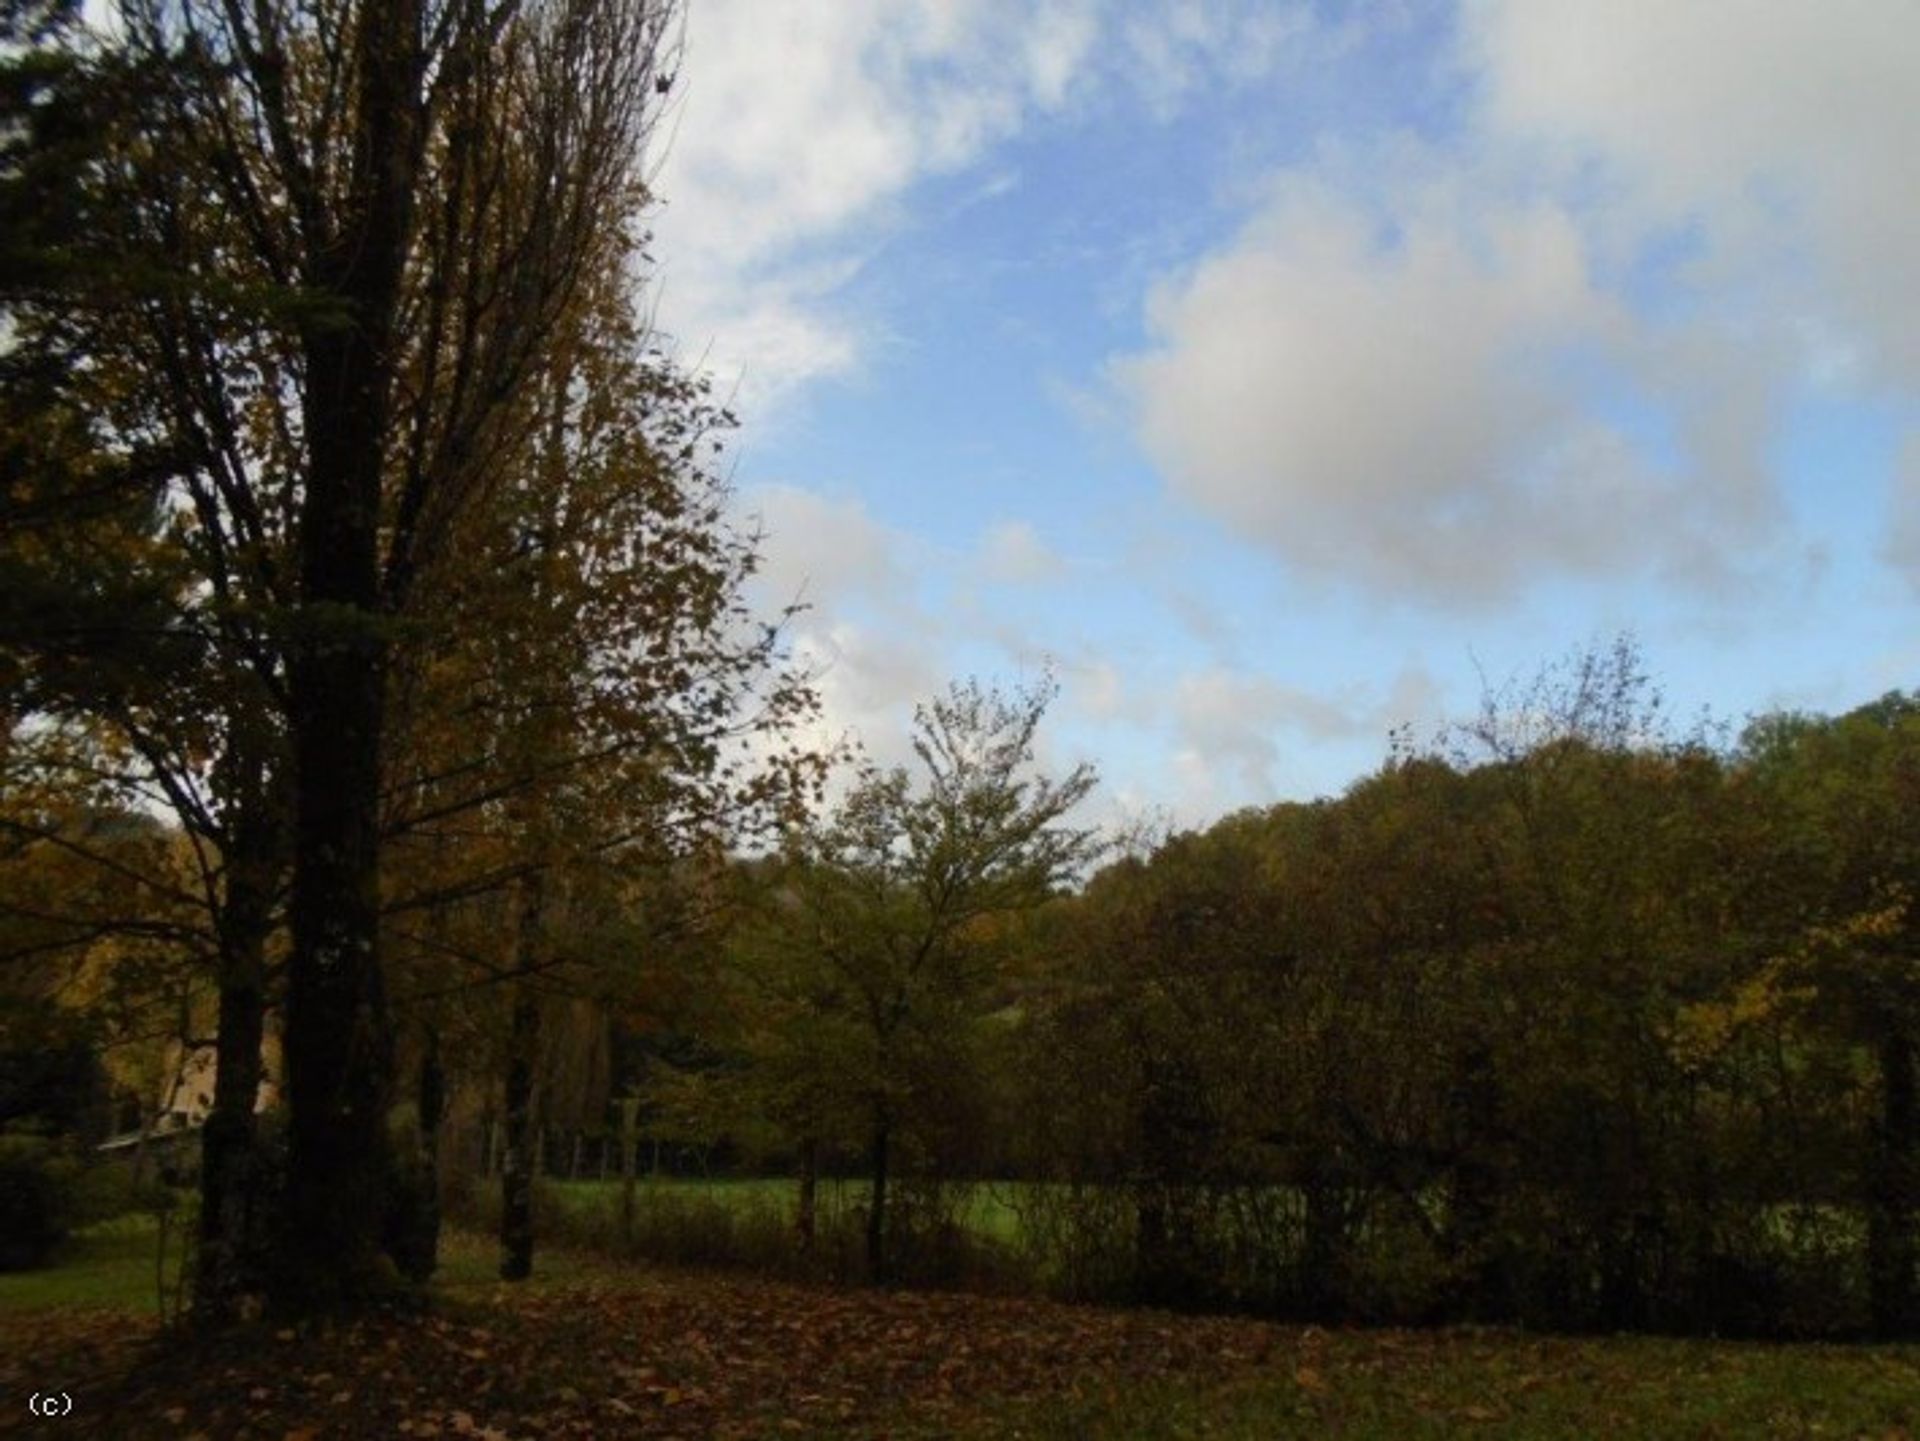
[{"x": 585, "y": 1353}]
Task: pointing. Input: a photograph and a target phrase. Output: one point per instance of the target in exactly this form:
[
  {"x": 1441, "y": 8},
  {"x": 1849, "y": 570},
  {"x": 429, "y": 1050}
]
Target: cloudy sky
[{"x": 1277, "y": 371}]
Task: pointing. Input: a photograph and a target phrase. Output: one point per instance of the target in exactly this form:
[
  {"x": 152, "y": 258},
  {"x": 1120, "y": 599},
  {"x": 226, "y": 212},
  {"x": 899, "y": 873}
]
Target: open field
[
  {"x": 115, "y": 1266},
  {"x": 591, "y": 1350}
]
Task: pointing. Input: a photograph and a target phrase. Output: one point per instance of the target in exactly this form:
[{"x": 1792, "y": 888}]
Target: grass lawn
[
  {"x": 113, "y": 1266},
  {"x": 590, "y": 1349}
]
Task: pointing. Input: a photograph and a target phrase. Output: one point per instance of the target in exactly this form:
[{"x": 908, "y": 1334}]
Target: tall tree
[
  {"x": 376, "y": 216},
  {"x": 1843, "y": 793},
  {"x": 132, "y": 629},
  {"x": 597, "y": 702},
  {"x": 873, "y": 935}
]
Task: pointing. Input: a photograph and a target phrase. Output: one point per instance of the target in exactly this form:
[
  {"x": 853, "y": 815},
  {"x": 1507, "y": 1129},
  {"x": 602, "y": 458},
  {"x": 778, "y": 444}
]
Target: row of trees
[
  {"x": 1568, "y": 1025},
  {"x": 368, "y": 596},
  {"x": 1561, "y": 1017}
]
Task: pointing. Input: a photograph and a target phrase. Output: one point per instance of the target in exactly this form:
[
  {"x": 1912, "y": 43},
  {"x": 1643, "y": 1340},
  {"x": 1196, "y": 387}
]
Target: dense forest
[{"x": 393, "y": 772}]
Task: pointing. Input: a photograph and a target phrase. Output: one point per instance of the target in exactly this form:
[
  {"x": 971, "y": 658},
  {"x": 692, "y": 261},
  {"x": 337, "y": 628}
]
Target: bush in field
[
  {"x": 110, "y": 1189},
  {"x": 37, "y": 1200}
]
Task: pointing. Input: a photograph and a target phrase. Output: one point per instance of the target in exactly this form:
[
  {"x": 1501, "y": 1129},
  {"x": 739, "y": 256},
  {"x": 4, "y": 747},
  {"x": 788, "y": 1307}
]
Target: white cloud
[
  {"x": 1785, "y": 132},
  {"x": 799, "y": 129},
  {"x": 1012, "y": 553},
  {"x": 871, "y": 648},
  {"x": 1230, "y": 724},
  {"x": 1375, "y": 379},
  {"x": 1558, "y": 344},
  {"x": 1098, "y": 689},
  {"x": 868, "y": 681},
  {"x": 819, "y": 550},
  {"x": 1170, "y": 50},
  {"x": 798, "y": 125}
]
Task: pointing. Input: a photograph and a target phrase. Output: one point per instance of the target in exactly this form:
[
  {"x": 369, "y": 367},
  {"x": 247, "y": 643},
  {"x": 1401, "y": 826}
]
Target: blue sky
[{"x": 1277, "y": 371}]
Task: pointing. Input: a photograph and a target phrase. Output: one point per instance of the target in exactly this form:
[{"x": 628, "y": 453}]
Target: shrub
[{"x": 37, "y": 1200}]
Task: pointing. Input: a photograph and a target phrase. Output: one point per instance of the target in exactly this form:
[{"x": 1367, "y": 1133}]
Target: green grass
[
  {"x": 111, "y": 1266},
  {"x": 470, "y": 1263},
  {"x": 1304, "y": 1383}
]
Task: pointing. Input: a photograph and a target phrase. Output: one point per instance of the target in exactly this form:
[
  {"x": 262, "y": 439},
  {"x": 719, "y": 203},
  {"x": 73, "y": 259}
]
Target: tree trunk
[
  {"x": 433, "y": 1112},
  {"x": 1892, "y": 1252},
  {"x": 234, "y": 1205},
  {"x": 877, "y": 1201},
  {"x": 1323, "y": 1243},
  {"x": 516, "y": 1176},
  {"x": 629, "y": 1145},
  {"x": 1152, "y": 1241},
  {"x": 232, "y": 1180},
  {"x": 1473, "y": 1203},
  {"x": 809, "y": 1190},
  {"x": 338, "y": 1041}
]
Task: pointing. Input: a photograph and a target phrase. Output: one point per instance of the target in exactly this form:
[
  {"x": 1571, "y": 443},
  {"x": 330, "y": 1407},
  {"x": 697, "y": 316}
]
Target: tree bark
[
  {"x": 433, "y": 1113},
  {"x": 234, "y": 1200},
  {"x": 877, "y": 1200},
  {"x": 516, "y": 1170},
  {"x": 1152, "y": 1241},
  {"x": 232, "y": 1180},
  {"x": 629, "y": 1114},
  {"x": 1473, "y": 1203},
  {"x": 338, "y": 1041},
  {"x": 338, "y": 1037},
  {"x": 809, "y": 1191},
  {"x": 516, "y": 1175},
  {"x": 1893, "y": 1251}
]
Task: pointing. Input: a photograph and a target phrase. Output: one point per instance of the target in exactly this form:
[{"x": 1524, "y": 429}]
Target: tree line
[{"x": 1565, "y": 1016}]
